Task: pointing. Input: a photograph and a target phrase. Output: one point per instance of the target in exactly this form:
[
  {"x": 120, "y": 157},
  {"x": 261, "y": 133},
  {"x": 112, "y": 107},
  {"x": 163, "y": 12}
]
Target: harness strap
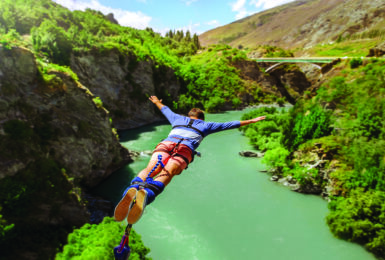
[
  {"x": 190, "y": 123},
  {"x": 150, "y": 186},
  {"x": 162, "y": 150},
  {"x": 175, "y": 148},
  {"x": 164, "y": 174},
  {"x": 184, "y": 158},
  {"x": 125, "y": 238}
]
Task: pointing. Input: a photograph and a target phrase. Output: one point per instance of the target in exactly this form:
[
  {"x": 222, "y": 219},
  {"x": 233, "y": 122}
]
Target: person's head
[{"x": 197, "y": 113}]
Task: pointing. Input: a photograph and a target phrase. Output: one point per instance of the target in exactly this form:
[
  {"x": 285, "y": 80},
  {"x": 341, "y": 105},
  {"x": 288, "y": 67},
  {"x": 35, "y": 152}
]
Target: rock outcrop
[
  {"x": 288, "y": 81},
  {"x": 250, "y": 154},
  {"x": 124, "y": 84},
  {"x": 58, "y": 118},
  {"x": 55, "y": 140},
  {"x": 377, "y": 51}
]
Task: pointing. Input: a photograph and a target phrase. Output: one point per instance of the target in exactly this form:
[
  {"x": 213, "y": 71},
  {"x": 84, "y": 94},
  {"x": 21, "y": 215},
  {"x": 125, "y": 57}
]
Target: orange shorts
[{"x": 180, "y": 155}]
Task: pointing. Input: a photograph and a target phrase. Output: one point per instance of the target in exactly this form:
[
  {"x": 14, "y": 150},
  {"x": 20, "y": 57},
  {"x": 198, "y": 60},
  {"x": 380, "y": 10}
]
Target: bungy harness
[
  {"x": 189, "y": 125},
  {"x": 123, "y": 251}
]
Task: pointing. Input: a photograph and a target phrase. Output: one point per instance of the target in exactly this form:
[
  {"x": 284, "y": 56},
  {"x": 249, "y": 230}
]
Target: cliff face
[
  {"x": 58, "y": 118},
  {"x": 288, "y": 81},
  {"x": 123, "y": 84},
  {"x": 54, "y": 138}
]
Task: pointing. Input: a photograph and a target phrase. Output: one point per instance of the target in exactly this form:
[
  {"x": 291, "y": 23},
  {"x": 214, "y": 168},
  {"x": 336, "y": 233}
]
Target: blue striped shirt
[{"x": 191, "y": 137}]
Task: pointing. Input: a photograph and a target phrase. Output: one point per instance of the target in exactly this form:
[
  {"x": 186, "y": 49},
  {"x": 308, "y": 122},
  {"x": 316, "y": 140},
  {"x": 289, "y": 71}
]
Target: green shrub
[
  {"x": 360, "y": 218},
  {"x": 314, "y": 123},
  {"x": 98, "y": 102},
  {"x": 98, "y": 241},
  {"x": 213, "y": 104},
  {"x": 369, "y": 170},
  {"x": 266, "y": 134},
  {"x": 355, "y": 63},
  {"x": 277, "y": 158},
  {"x": 52, "y": 40},
  {"x": 306, "y": 176}
]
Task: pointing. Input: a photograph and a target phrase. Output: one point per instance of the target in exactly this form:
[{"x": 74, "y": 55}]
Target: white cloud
[
  {"x": 243, "y": 9},
  {"x": 189, "y": 2},
  {"x": 213, "y": 23},
  {"x": 267, "y": 4},
  {"x": 239, "y": 5},
  {"x": 240, "y": 8},
  {"x": 241, "y": 14},
  {"x": 126, "y": 18}
]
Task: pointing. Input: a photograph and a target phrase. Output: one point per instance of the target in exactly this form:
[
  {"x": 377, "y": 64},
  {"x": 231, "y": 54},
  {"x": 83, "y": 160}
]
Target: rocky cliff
[
  {"x": 58, "y": 117},
  {"x": 54, "y": 139},
  {"x": 285, "y": 81},
  {"x": 124, "y": 84}
]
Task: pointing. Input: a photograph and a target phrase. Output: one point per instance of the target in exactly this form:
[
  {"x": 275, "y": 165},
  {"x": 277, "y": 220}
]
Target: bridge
[{"x": 279, "y": 61}]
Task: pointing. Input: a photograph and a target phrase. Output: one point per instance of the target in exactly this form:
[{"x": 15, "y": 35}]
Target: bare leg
[
  {"x": 154, "y": 159},
  {"x": 171, "y": 169},
  {"x": 147, "y": 195}
]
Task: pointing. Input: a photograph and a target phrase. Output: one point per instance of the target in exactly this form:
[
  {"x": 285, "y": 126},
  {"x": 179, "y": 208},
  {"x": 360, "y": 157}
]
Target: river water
[{"x": 223, "y": 207}]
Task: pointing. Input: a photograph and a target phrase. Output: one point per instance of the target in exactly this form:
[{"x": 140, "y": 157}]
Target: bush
[
  {"x": 98, "y": 102},
  {"x": 266, "y": 134},
  {"x": 314, "y": 123},
  {"x": 355, "y": 63},
  {"x": 98, "y": 241},
  {"x": 277, "y": 158},
  {"x": 360, "y": 218},
  {"x": 52, "y": 40},
  {"x": 369, "y": 170},
  {"x": 213, "y": 104}
]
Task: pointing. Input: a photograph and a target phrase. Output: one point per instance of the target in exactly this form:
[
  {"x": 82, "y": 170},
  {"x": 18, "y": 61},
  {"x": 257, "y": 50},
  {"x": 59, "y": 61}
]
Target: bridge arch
[{"x": 280, "y": 63}]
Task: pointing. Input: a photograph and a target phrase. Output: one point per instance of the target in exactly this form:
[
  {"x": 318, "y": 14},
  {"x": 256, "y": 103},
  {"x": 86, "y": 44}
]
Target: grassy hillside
[{"x": 304, "y": 24}]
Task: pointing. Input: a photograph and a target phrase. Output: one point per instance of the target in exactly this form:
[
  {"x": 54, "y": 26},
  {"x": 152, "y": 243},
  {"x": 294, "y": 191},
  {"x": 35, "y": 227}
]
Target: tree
[
  {"x": 196, "y": 41},
  {"x": 53, "y": 41}
]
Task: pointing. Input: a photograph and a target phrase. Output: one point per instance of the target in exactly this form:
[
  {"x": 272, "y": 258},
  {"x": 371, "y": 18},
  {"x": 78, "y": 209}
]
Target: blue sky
[{"x": 197, "y": 16}]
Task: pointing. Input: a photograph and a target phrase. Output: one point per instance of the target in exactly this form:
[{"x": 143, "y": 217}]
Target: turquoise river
[{"x": 224, "y": 207}]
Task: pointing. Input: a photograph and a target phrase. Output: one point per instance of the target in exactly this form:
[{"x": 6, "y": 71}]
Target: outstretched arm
[
  {"x": 156, "y": 101},
  {"x": 251, "y": 121}
]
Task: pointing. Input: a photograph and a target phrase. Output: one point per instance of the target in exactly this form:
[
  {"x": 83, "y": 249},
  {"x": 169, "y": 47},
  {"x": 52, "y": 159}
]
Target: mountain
[{"x": 303, "y": 24}]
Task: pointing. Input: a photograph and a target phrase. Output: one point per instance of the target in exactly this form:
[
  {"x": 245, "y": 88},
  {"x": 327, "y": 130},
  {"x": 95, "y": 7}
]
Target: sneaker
[
  {"x": 125, "y": 205},
  {"x": 138, "y": 207}
]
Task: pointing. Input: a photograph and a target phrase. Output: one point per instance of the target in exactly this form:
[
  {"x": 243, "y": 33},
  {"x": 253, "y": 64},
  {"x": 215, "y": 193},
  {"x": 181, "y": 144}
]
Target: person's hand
[
  {"x": 254, "y": 120},
  {"x": 154, "y": 99}
]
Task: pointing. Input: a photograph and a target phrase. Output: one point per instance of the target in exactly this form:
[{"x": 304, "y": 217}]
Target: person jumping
[{"x": 170, "y": 157}]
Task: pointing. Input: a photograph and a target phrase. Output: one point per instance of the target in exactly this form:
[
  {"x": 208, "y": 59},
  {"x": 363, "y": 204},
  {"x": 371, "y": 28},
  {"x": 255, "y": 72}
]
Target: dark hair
[{"x": 196, "y": 112}]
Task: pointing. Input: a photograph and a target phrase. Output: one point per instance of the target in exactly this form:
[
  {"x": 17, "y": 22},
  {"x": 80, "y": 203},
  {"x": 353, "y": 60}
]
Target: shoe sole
[
  {"x": 124, "y": 205},
  {"x": 138, "y": 207}
]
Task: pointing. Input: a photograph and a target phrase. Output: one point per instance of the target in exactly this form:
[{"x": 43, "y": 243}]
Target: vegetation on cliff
[
  {"x": 341, "y": 128},
  {"x": 54, "y": 33},
  {"x": 345, "y": 121}
]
